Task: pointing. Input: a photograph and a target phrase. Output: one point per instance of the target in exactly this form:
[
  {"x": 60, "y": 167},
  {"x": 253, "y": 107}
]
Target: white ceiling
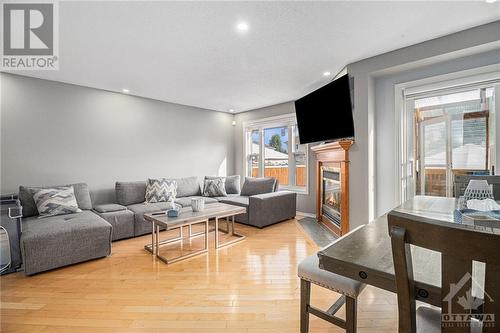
[{"x": 191, "y": 53}]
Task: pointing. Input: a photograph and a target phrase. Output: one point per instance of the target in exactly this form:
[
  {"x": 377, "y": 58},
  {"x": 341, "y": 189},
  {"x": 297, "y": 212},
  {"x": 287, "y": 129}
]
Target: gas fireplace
[{"x": 332, "y": 179}]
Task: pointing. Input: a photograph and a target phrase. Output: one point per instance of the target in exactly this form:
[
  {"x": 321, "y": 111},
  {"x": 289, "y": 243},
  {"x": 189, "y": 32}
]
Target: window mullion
[
  {"x": 291, "y": 157},
  {"x": 261, "y": 153}
]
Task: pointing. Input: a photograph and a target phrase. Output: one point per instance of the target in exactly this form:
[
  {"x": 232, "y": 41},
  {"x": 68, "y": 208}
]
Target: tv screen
[{"x": 326, "y": 113}]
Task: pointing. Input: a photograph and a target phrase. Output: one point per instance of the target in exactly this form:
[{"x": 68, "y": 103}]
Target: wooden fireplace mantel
[{"x": 334, "y": 154}]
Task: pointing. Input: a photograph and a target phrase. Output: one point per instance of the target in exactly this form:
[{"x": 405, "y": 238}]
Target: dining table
[{"x": 365, "y": 253}]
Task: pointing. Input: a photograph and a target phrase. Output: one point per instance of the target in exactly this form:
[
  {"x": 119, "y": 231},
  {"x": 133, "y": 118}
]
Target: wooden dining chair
[{"x": 459, "y": 246}]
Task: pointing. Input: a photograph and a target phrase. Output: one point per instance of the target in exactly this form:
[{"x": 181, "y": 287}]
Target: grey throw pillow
[
  {"x": 254, "y": 186},
  {"x": 160, "y": 190},
  {"x": 55, "y": 201},
  {"x": 81, "y": 191},
  {"x": 232, "y": 183},
  {"x": 214, "y": 188}
]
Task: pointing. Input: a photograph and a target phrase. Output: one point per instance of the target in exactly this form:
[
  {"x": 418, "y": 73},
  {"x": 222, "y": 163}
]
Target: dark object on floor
[
  {"x": 10, "y": 212},
  {"x": 318, "y": 233}
]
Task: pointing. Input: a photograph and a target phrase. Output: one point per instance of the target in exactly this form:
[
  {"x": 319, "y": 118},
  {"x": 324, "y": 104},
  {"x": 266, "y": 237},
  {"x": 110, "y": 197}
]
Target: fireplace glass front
[{"x": 331, "y": 194}]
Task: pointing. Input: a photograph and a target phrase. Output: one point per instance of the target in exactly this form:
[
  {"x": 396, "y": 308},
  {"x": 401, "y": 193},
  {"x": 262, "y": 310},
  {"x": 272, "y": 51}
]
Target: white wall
[
  {"x": 55, "y": 133},
  {"x": 305, "y": 203}
]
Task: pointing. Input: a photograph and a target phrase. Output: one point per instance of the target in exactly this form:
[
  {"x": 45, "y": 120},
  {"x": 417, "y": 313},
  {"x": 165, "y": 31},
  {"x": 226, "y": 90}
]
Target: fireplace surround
[{"x": 332, "y": 180}]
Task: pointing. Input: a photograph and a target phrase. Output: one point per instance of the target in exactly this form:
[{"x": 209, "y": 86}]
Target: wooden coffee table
[{"x": 188, "y": 218}]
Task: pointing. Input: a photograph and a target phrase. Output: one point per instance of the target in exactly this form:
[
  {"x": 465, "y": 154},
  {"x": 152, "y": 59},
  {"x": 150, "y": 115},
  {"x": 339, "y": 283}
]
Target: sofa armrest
[{"x": 268, "y": 208}]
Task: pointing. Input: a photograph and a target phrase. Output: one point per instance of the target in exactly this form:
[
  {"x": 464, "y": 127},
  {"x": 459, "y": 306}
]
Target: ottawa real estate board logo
[{"x": 30, "y": 35}]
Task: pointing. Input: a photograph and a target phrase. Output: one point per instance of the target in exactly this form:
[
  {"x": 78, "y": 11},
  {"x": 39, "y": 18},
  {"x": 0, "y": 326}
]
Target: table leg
[
  {"x": 232, "y": 225},
  {"x": 190, "y": 230},
  {"x": 216, "y": 232},
  {"x": 153, "y": 241},
  {"x": 157, "y": 240},
  {"x": 206, "y": 234}
]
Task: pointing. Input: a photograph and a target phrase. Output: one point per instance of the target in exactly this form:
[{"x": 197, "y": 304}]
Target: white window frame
[
  {"x": 475, "y": 77},
  {"x": 289, "y": 120}
]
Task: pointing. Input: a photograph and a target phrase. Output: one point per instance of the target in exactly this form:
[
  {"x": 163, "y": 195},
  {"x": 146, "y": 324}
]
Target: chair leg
[
  {"x": 350, "y": 314},
  {"x": 305, "y": 298}
]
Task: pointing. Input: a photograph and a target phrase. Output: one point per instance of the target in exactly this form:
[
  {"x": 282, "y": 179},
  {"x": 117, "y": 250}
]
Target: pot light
[
  {"x": 231, "y": 110},
  {"x": 327, "y": 73},
  {"x": 125, "y": 91},
  {"x": 242, "y": 26},
  {"x": 491, "y": 1}
]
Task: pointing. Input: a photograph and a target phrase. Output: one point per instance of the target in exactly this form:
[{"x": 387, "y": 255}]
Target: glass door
[
  {"x": 433, "y": 176},
  {"x": 454, "y": 135}
]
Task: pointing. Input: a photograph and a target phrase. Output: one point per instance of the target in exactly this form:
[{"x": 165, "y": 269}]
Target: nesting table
[{"x": 188, "y": 218}]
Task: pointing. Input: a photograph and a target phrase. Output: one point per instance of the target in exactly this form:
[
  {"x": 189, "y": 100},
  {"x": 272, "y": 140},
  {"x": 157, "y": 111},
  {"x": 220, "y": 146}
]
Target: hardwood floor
[{"x": 249, "y": 287}]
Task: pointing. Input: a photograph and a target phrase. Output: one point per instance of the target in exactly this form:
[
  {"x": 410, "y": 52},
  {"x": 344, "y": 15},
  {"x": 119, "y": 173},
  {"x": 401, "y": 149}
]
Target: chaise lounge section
[{"x": 56, "y": 241}]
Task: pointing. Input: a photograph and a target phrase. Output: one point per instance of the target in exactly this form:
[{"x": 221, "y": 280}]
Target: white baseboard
[{"x": 306, "y": 214}]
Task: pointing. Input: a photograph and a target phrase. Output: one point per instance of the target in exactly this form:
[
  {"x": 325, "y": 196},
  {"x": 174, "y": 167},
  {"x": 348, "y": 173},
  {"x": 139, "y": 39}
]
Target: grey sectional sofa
[
  {"x": 265, "y": 205},
  {"x": 57, "y": 241}
]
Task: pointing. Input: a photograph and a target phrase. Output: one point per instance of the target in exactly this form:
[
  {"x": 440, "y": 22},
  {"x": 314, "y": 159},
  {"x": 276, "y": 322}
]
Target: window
[{"x": 273, "y": 150}]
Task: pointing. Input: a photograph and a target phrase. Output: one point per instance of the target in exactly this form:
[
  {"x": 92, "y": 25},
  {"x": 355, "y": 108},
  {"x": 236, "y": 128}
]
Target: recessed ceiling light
[
  {"x": 231, "y": 110},
  {"x": 242, "y": 26},
  {"x": 491, "y": 1},
  {"x": 327, "y": 73},
  {"x": 125, "y": 91}
]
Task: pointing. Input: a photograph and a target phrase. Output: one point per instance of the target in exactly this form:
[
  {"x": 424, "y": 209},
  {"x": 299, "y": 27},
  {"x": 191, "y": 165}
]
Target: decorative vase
[{"x": 198, "y": 204}]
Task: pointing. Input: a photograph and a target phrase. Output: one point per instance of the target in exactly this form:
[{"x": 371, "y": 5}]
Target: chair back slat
[
  {"x": 404, "y": 281},
  {"x": 459, "y": 246},
  {"x": 492, "y": 293}
]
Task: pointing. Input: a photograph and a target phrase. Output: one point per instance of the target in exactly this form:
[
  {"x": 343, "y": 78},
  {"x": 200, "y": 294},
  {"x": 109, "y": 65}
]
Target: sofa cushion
[
  {"x": 148, "y": 207},
  {"x": 214, "y": 188},
  {"x": 81, "y": 191},
  {"x": 63, "y": 240},
  {"x": 129, "y": 193},
  {"x": 224, "y": 198},
  {"x": 187, "y": 187},
  {"x": 141, "y": 226},
  {"x": 186, "y": 201},
  {"x": 122, "y": 222},
  {"x": 232, "y": 183},
  {"x": 54, "y": 201},
  {"x": 254, "y": 186},
  {"x": 106, "y": 208},
  {"x": 237, "y": 201},
  {"x": 160, "y": 190}
]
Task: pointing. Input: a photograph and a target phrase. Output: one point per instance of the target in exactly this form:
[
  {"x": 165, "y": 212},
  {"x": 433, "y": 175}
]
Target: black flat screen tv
[{"x": 326, "y": 113}]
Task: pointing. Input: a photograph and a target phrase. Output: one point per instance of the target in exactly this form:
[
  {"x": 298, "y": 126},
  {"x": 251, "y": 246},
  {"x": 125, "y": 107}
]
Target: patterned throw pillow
[
  {"x": 54, "y": 201},
  {"x": 214, "y": 188},
  {"x": 160, "y": 190}
]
